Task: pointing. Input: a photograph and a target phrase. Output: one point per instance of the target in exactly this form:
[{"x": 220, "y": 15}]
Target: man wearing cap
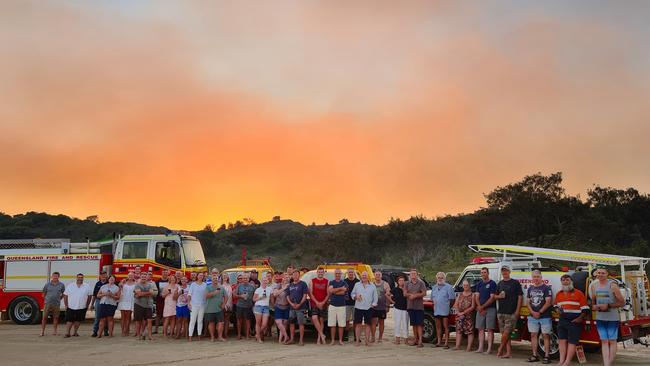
[
  {"x": 509, "y": 297},
  {"x": 253, "y": 278},
  {"x": 573, "y": 308}
]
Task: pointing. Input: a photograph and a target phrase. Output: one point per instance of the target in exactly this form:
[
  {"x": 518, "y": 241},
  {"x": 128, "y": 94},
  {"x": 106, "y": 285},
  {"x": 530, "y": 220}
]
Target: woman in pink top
[{"x": 169, "y": 310}]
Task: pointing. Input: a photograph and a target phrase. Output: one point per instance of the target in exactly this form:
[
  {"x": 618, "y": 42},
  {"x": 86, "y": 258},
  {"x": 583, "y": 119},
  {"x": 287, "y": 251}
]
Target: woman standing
[
  {"x": 169, "y": 309},
  {"x": 401, "y": 317},
  {"x": 464, "y": 316},
  {"x": 125, "y": 305},
  {"x": 279, "y": 298},
  {"x": 182, "y": 311},
  {"x": 196, "y": 299},
  {"x": 261, "y": 310},
  {"x": 225, "y": 283},
  {"x": 108, "y": 295}
]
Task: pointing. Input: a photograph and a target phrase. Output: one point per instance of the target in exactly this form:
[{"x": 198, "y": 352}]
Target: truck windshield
[{"x": 193, "y": 253}]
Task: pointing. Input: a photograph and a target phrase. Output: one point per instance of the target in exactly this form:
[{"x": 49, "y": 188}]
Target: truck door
[{"x": 168, "y": 254}]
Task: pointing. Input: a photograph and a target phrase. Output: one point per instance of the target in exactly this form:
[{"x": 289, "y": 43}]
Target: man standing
[
  {"x": 160, "y": 300},
  {"x": 572, "y": 304},
  {"x": 253, "y": 278},
  {"x": 144, "y": 292},
  {"x": 486, "y": 311},
  {"x": 442, "y": 295},
  {"x": 244, "y": 295},
  {"x": 350, "y": 280},
  {"x": 214, "y": 306},
  {"x": 364, "y": 294},
  {"x": 415, "y": 291},
  {"x": 510, "y": 296},
  {"x": 297, "y": 298},
  {"x": 94, "y": 302},
  {"x": 336, "y": 311},
  {"x": 540, "y": 301},
  {"x": 52, "y": 294},
  {"x": 318, "y": 296},
  {"x": 606, "y": 298},
  {"x": 76, "y": 298},
  {"x": 379, "y": 312}
]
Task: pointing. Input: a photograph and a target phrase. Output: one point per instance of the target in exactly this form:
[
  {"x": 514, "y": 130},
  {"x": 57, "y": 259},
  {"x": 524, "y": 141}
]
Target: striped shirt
[{"x": 571, "y": 303}]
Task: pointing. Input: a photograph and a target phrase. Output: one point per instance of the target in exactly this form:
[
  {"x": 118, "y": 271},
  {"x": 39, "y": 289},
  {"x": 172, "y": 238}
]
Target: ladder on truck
[
  {"x": 637, "y": 277},
  {"x": 51, "y": 246}
]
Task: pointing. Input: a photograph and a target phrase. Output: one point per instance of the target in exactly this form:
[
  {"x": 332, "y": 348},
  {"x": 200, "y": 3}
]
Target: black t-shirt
[
  {"x": 537, "y": 298},
  {"x": 349, "y": 301},
  {"x": 255, "y": 281},
  {"x": 98, "y": 286},
  {"x": 512, "y": 289},
  {"x": 398, "y": 297}
]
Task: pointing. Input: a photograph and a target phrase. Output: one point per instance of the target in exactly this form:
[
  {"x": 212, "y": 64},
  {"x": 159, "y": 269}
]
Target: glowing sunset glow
[{"x": 191, "y": 113}]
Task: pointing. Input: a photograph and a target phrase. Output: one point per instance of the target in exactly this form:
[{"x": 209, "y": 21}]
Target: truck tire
[
  {"x": 554, "y": 351},
  {"x": 429, "y": 329},
  {"x": 24, "y": 310}
]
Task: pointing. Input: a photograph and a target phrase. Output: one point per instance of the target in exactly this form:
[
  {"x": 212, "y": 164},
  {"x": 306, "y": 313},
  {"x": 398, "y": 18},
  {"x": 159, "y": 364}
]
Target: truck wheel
[
  {"x": 429, "y": 329},
  {"x": 554, "y": 349},
  {"x": 24, "y": 310}
]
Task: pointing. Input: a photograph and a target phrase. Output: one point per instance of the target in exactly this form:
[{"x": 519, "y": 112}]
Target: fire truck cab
[{"x": 174, "y": 252}]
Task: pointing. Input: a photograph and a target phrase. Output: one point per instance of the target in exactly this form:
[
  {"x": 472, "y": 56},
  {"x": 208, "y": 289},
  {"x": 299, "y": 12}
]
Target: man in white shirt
[{"x": 76, "y": 298}]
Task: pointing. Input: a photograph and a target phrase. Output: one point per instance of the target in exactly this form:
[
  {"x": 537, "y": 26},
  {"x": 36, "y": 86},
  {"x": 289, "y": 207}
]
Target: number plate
[{"x": 628, "y": 343}]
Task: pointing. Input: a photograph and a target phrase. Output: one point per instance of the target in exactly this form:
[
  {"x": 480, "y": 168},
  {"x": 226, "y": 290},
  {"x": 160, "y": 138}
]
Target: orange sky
[{"x": 183, "y": 115}]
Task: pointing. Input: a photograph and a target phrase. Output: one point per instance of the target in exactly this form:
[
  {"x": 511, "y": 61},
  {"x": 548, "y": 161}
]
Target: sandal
[
  {"x": 533, "y": 359},
  {"x": 546, "y": 360}
]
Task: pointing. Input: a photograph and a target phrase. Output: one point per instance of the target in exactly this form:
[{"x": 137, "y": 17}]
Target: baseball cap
[
  {"x": 506, "y": 267},
  {"x": 565, "y": 276}
]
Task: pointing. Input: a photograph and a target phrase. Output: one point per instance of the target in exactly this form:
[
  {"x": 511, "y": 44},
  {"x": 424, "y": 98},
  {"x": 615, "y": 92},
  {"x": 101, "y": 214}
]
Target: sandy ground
[{"x": 20, "y": 345}]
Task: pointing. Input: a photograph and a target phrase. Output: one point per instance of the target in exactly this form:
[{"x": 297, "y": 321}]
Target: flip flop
[{"x": 533, "y": 359}]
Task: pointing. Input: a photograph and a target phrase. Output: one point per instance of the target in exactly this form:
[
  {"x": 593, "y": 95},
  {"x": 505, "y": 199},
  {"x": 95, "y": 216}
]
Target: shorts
[
  {"x": 75, "y": 315},
  {"x": 336, "y": 316},
  {"x": 160, "y": 305},
  {"x": 300, "y": 316},
  {"x": 568, "y": 330},
  {"x": 362, "y": 316},
  {"x": 349, "y": 313},
  {"x": 607, "y": 329},
  {"x": 182, "y": 311},
  {"x": 244, "y": 313},
  {"x": 534, "y": 325},
  {"x": 487, "y": 321},
  {"x": 281, "y": 314},
  {"x": 213, "y": 317},
  {"x": 318, "y": 312},
  {"x": 381, "y": 314},
  {"x": 262, "y": 310},
  {"x": 416, "y": 317},
  {"x": 441, "y": 316},
  {"x": 140, "y": 313},
  {"x": 55, "y": 309},
  {"x": 106, "y": 311},
  {"x": 507, "y": 322}
]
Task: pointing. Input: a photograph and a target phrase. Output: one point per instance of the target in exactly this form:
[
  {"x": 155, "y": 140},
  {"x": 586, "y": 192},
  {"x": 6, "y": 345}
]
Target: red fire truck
[{"x": 27, "y": 264}]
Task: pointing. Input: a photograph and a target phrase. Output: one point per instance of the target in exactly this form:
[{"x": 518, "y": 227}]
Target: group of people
[
  {"x": 359, "y": 303},
  {"x": 500, "y": 303}
]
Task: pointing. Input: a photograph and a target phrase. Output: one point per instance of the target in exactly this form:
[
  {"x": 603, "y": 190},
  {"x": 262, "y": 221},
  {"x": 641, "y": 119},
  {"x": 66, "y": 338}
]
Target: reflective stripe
[
  {"x": 568, "y": 303},
  {"x": 573, "y": 311}
]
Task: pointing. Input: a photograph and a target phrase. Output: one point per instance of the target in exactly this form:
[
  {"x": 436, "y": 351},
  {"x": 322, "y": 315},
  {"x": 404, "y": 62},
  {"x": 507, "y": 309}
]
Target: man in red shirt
[{"x": 318, "y": 296}]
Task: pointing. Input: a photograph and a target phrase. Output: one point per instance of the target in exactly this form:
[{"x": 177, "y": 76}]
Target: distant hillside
[
  {"x": 534, "y": 211},
  {"x": 42, "y": 225}
]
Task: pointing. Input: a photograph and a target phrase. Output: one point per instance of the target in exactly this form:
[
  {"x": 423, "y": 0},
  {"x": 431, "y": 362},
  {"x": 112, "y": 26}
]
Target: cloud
[{"x": 189, "y": 115}]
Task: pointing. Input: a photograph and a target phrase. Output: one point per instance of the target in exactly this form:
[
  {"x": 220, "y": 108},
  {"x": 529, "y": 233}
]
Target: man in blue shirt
[
  {"x": 297, "y": 298},
  {"x": 486, "y": 309},
  {"x": 442, "y": 295}
]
